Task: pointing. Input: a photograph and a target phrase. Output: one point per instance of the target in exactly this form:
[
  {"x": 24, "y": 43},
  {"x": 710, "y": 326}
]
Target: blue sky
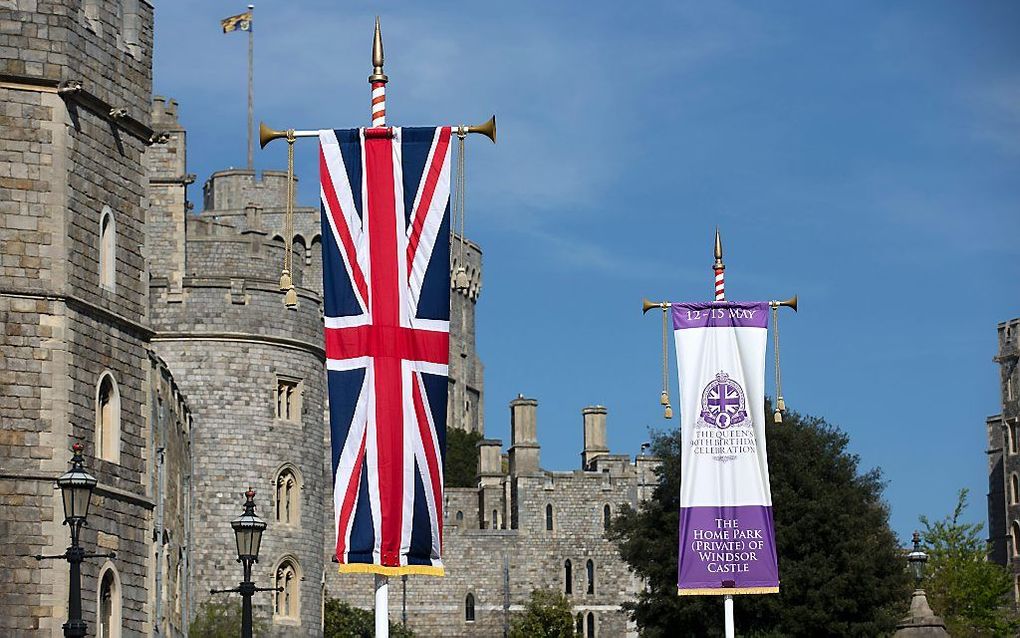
[{"x": 864, "y": 155}]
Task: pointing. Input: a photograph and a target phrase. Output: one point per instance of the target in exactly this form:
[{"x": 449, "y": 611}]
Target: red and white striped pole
[
  {"x": 378, "y": 80},
  {"x": 719, "y": 267}
]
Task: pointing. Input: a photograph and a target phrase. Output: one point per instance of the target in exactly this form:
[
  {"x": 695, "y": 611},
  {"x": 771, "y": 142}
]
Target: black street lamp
[
  {"x": 76, "y": 487},
  {"x": 917, "y": 559},
  {"x": 248, "y": 530}
]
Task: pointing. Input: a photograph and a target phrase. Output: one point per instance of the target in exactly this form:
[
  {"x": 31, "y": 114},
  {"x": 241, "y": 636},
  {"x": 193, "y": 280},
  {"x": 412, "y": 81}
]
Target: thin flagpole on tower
[{"x": 251, "y": 87}]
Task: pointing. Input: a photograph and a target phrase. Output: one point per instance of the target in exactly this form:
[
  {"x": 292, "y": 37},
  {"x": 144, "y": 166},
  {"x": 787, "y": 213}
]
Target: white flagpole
[
  {"x": 378, "y": 81},
  {"x": 382, "y": 606},
  {"x": 720, "y": 295},
  {"x": 728, "y": 609}
]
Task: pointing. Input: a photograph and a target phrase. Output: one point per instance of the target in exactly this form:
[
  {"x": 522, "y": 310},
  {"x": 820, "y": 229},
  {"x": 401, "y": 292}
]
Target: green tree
[
  {"x": 546, "y": 615},
  {"x": 461, "y": 458},
  {"x": 840, "y": 567},
  {"x": 221, "y": 619},
  {"x": 971, "y": 594},
  {"x": 344, "y": 621}
]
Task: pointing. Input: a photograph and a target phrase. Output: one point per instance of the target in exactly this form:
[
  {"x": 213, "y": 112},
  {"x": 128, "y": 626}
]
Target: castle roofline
[{"x": 266, "y": 172}]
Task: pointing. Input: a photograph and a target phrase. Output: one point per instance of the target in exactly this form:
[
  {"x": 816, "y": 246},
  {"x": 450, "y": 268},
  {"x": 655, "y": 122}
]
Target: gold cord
[
  {"x": 286, "y": 279},
  {"x": 664, "y": 397},
  {"x": 777, "y": 416},
  {"x": 460, "y": 278}
]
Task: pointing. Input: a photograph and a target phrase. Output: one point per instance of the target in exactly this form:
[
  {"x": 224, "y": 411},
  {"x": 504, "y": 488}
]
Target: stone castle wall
[
  {"x": 501, "y": 560},
  {"x": 64, "y": 158}
]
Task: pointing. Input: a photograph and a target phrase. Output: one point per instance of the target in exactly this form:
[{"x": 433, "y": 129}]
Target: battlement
[{"x": 235, "y": 188}]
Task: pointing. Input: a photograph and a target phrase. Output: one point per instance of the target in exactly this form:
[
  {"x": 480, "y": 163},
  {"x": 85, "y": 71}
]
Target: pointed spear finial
[
  {"x": 718, "y": 250},
  {"x": 377, "y": 56}
]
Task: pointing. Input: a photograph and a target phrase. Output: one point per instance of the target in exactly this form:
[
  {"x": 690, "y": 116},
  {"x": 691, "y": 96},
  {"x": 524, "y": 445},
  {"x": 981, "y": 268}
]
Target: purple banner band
[
  {"x": 727, "y": 547},
  {"x": 721, "y": 314}
]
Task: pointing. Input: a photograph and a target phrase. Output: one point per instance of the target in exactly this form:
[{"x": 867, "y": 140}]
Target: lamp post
[
  {"x": 917, "y": 559},
  {"x": 920, "y": 621},
  {"x": 76, "y": 487},
  {"x": 248, "y": 528}
]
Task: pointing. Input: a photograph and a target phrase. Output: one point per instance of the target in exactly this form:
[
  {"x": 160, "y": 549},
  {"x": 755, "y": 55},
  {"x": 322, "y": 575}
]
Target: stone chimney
[
  {"x": 594, "y": 435},
  {"x": 524, "y": 446},
  {"x": 490, "y": 461}
]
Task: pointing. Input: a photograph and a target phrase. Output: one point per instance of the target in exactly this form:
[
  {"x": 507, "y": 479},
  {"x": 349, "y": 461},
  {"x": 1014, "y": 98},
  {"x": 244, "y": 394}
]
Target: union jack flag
[{"x": 386, "y": 277}]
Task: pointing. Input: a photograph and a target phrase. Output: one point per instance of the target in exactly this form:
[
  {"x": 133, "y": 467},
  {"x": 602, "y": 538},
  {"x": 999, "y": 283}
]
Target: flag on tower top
[{"x": 240, "y": 22}]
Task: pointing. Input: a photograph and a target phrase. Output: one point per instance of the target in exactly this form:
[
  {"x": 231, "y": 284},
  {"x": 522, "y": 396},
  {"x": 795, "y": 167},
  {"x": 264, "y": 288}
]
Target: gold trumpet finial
[
  {"x": 377, "y": 56},
  {"x": 718, "y": 251},
  {"x": 267, "y": 135},
  {"x": 648, "y": 305},
  {"x": 488, "y": 129}
]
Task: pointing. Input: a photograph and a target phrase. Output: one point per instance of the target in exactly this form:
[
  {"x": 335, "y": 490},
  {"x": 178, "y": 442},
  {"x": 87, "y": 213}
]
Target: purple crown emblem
[{"x": 723, "y": 403}]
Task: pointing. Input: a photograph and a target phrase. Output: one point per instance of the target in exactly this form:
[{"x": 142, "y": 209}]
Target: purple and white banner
[{"x": 727, "y": 539}]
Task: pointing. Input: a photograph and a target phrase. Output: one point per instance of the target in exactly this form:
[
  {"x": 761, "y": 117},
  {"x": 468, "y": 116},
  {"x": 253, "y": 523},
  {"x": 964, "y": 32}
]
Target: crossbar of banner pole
[
  {"x": 267, "y": 135},
  {"x": 786, "y": 303}
]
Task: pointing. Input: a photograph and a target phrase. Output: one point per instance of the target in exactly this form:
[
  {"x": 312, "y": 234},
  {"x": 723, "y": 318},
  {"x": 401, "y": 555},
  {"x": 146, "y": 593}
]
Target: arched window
[
  {"x": 287, "y": 497},
  {"x": 469, "y": 608},
  {"x": 107, "y": 250},
  {"x": 568, "y": 577},
  {"x": 460, "y": 516},
  {"x": 607, "y": 516},
  {"x": 590, "y": 633},
  {"x": 1014, "y": 489},
  {"x": 548, "y": 518},
  {"x": 109, "y": 612},
  {"x": 287, "y": 585},
  {"x": 589, "y": 569},
  {"x": 313, "y": 277},
  {"x": 1015, "y": 534},
  {"x": 495, "y": 519},
  {"x": 1013, "y": 437},
  {"x": 580, "y": 624},
  {"x": 108, "y": 419},
  {"x": 299, "y": 256}
]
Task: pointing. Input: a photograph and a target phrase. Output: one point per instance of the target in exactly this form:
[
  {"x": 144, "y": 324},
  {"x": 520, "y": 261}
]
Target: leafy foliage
[
  {"x": 222, "y": 619},
  {"x": 547, "y": 615},
  {"x": 971, "y": 594},
  {"x": 841, "y": 570},
  {"x": 344, "y": 621},
  {"x": 461, "y": 458}
]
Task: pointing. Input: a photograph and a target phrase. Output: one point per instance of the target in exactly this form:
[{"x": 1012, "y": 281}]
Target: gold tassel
[
  {"x": 777, "y": 417},
  {"x": 664, "y": 397},
  {"x": 461, "y": 281},
  {"x": 286, "y": 283}
]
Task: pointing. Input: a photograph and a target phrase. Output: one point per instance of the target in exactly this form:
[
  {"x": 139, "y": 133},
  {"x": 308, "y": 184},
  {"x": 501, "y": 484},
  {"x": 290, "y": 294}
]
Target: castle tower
[
  {"x": 75, "y": 85},
  {"x": 1004, "y": 455},
  {"x": 254, "y": 375},
  {"x": 467, "y": 387}
]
